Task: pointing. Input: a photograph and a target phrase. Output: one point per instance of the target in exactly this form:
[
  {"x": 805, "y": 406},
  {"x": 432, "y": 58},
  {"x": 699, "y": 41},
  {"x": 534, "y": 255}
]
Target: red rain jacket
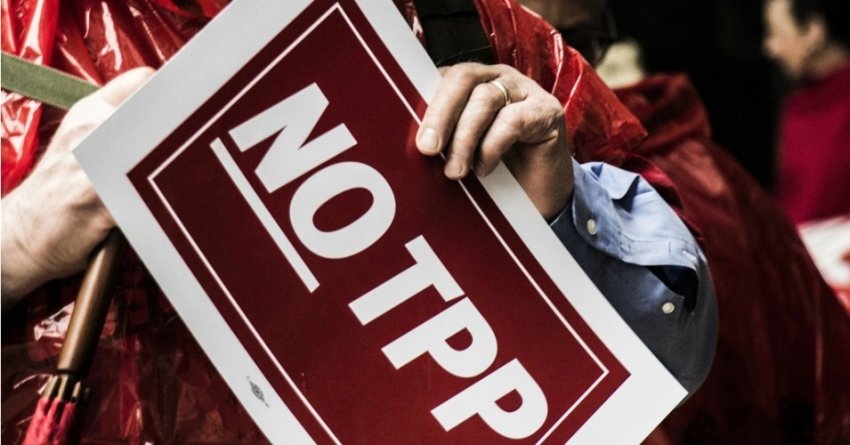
[
  {"x": 151, "y": 382},
  {"x": 781, "y": 373}
]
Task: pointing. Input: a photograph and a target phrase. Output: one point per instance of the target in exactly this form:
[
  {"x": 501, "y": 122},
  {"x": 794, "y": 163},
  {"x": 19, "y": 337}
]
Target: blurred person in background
[
  {"x": 151, "y": 383},
  {"x": 774, "y": 308},
  {"x": 718, "y": 44},
  {"x": 810, "y": 40}
]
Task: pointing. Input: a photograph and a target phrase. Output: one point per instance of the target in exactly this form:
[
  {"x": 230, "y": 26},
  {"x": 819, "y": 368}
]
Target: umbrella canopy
[
  {"x": 61, "y": 401},
  {"x": 56, "y": 413}
]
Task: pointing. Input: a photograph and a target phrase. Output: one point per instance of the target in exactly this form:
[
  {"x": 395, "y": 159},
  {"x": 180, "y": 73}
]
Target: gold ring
[{"x": 504, "y": 90}]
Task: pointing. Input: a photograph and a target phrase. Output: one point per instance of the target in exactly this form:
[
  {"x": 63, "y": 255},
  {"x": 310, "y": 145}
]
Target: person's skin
[
  {"x": 803, "y": 50},
  {"x": 54, "y": 218},
  {"x": 585, "y": 25},
  {"x": 469, "y": 121}
]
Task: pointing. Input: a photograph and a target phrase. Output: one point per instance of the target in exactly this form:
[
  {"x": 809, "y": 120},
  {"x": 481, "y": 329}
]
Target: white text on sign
[{"x": 290, "y": 157}]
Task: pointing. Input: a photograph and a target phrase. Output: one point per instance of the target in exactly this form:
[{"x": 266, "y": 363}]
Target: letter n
[{"x": 292, "y": 120}]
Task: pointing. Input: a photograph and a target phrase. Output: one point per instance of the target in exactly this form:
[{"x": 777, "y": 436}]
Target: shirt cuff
[{"x": 618, "y": 213}]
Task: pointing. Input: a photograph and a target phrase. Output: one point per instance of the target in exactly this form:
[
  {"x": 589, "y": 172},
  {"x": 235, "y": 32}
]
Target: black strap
[{"x": 453, "y": 32}]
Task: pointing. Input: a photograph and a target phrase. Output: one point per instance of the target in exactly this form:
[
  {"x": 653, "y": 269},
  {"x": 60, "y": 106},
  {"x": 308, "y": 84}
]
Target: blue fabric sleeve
[{"x": 644, "y": 260}]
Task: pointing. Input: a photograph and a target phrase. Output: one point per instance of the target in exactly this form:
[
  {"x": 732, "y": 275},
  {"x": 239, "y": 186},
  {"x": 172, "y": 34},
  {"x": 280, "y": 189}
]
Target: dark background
[{"x": 718, "y": 44}]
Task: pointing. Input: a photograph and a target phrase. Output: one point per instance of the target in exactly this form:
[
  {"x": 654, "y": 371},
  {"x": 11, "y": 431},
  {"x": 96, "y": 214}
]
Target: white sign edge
[
  {"x": 650, "y": 389},
  {"x": 107, "y": 168}
]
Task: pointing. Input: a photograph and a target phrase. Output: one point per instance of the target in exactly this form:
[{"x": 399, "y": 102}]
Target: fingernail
[
  {"x": 479, "y": 169},
  {"x": 428, "y": 141},
  {"x": 455, "y": 169}
]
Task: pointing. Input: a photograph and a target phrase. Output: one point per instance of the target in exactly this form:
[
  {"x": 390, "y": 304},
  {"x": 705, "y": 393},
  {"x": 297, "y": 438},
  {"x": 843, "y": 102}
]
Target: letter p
[{"x": 481, "y": 398}]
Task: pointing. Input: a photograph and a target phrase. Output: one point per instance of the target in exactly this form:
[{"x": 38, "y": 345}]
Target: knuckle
[
  {"x": 551, "y": 103},
  {"x": 504, "y": 68},
  {"x": 459, "y": 161},
  {"x": 485, "y": 97},
  {"x": 81, "y": 120},
  {"x": 79, "y": 190},
  {"x": 557, "y": 109},
  {"x": 89, "y": 196},
  {"x": 557, "y": 118},
  {"x": 102, "y": 221},
  {"x": 464, "y": 143},
  {"x": 462, "y": 134},
  {"x": 453, "y": 72},
  {"x": 464, "y": 67},
  {"x": 489, "y": 154},
  {"x": 511, "y": 120},
  {"x": 79, "y": 130},
  {"x": 461, "y": 74},
  {"x": 79, "y": 107},
  {"x": 90, "y": 108},
  {"x": 459, "y": 153}
]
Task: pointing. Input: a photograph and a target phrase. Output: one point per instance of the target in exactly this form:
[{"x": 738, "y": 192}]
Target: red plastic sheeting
[
  {"x": 599, "y": 126},
  {"x": 56, "y": 422},
  {"x": 150, "y": 381},
  {"x": 782, "y": 369},
  {"x": 28, "y": 30}
]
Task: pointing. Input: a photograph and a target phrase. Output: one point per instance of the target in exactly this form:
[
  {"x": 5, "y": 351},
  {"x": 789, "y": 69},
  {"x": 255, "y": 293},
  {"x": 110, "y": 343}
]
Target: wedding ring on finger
[{"x": 504, "y": 90}]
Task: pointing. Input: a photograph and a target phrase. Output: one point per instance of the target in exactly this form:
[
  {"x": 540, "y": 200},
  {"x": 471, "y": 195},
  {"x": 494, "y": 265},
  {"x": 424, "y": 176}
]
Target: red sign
[{"x": 382, "y": 302}]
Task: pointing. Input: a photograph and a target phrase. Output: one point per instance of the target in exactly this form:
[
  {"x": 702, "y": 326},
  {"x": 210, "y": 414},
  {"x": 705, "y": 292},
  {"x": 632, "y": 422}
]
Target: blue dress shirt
[{"x": 644, "y": 260}]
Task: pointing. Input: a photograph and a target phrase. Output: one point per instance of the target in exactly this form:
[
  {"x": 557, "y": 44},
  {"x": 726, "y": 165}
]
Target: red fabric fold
[
  {"x": 31, "y": 28},
  {"x": 52, "y": 424},
  {"x": 152, "y": 383},
  {"x": 597, "y": 122},
  {"x": 599, "y": 127},
  {"x": 781, "y": 370}
]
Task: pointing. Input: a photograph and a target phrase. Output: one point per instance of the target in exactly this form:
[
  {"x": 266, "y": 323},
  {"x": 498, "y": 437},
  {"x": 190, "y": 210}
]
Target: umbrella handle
[{"x": 91, "y": 307}]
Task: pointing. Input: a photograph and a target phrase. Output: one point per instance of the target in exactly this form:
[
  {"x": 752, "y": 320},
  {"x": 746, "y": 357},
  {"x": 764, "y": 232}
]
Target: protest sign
[{"x": 346, "y": 290}]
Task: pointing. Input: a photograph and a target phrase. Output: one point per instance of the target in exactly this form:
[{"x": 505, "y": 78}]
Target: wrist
[
  {"x": 21, "y": 273},
  {"x": 560, "y": 194},
  {"x": 556, "y": 210}
]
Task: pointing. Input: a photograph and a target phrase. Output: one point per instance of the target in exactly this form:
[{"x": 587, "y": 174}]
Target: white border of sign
[{"x": 650, "y": 391}]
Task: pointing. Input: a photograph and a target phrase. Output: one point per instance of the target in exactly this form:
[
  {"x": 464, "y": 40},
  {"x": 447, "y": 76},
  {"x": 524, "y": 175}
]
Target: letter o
[{"x": 328, "y": 183}]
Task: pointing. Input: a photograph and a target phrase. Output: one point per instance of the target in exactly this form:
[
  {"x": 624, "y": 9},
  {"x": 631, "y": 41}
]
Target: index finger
[
  {"x": 448, "y": 103},
  {"x": 121, "y": 87}
]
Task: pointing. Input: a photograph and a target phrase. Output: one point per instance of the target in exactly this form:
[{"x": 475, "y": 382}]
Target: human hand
[
  {"x": 477, "y": 125},
  {"x": 54, "y": 219}
]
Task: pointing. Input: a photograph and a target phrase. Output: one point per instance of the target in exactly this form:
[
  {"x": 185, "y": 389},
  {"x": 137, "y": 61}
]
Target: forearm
[
  {"x": 20, "y": 273},
  {"x": 54, "y": 219}
]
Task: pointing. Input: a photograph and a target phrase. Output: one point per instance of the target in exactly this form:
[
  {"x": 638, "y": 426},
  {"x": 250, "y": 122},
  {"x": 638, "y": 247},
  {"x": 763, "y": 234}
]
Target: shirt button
[
  {"x": 591, "y": 226},
  {"x": 668, "y": 308}
]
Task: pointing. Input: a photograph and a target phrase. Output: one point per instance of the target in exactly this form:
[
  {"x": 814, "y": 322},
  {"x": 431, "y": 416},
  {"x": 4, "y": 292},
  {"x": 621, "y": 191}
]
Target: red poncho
[
  {"x": 151, "y": 382},
  {"x": 782, "y": 369}
]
